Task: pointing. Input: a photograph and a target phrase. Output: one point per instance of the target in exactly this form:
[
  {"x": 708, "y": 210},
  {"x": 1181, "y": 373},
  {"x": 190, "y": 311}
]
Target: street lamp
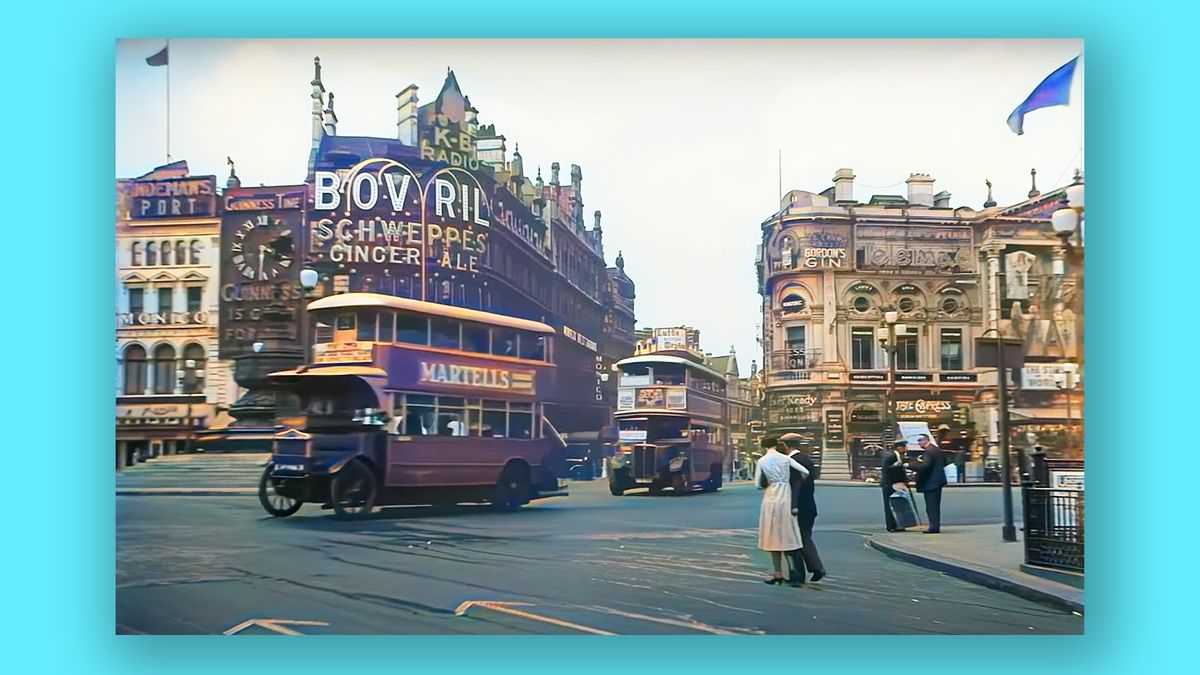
[
  {"x": 1068, "y": 223},
  {"x": 1008, "y": 531},
  {"x": 887, "y": 339},
  {"x": 308, "y": 281},
  {"x": 1065, "y": 382}
]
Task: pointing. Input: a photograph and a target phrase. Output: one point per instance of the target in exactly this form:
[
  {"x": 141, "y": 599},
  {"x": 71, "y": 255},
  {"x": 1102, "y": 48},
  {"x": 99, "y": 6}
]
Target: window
[
  {"x": 164, "y": 369},
  {"x": 165, "y": 295},
  {"x": 366, "y": 325},
  {"x": 166, "y": 253},
  {"x": 193, "y": 369},
  {"x": 345, "y": 322},
  {"x": 476, "y": 338},
  {"x": 412, "y": 329},
  {"x": 862, "y": 348},
  {"x": 324, "y": 332},
  {"x": 135, "y": 370},
  {"x": 387, "y": 326},
  {"x": 444, "y": 333},
  {"x": 950, "y": 305},
  {"x": 952, "y": 348},
  {"x": 861, "y": 304},
  {"x": 195, "y": 252},
  {"x": 181, "y": 252},
  {"x": 495, "y": 419},
  {"x": 151, "y": 253},
  {"x": 906, "y": 350},
  {"x": 135, "y": 252},
  {"x": 520, "y": 420},
  {"x": 194, "y": 298},
  {"x": 137, "y": 300},
  {"x": 533, "y": 347},
  {"x": 504, "y": 343},
  {"x": 906, "y": 304},
  {"x": 418, "y": 415},
  {"x": 451, "y": 416},
  {"x": 796, "y": 358}
]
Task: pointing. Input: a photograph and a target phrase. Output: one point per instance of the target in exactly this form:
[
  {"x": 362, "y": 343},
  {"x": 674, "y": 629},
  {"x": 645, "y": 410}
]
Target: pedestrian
[
  {"x": 804, "y": 505},
  {"x": 778, "y": 529},
  {"x": 931, "y": 478},
  {"x": 893, "y": 472}
]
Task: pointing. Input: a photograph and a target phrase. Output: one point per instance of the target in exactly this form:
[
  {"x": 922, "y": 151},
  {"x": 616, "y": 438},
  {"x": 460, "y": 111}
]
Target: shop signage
[
  {"x": 915, "y": 247},
  {"x": 815, "y": 247},
  {"x": 793, "y": 303},
  {"x": 914, "y": 377},
  {"x": 163, "y": 319},
  {"x": 266, "y": 199},
  {"x": 570, "y": 333},
  {"x": 868, "y": 377},
  {"x": 1068, "y": 480},
  {"x": 958, "y": 377},
  {"x": 625, "y": 398},
  {"x": 601, "y": 377},
  {"x": 477, "y": 377},
  {"x": 632, "y": 435},
  {"x": 835, "y": 428},
  {"x": 344, "y": 352},
  {"x": 1044, "y": 376},
  {"x": 924, "y": 407},
  {"x": 173, "y": 198},
  {"x": 798, "y": 401}
]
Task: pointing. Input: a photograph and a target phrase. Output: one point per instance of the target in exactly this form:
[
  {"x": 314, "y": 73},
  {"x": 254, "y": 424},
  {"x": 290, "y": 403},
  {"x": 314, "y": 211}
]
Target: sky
[{"x": 679, "y": 140}]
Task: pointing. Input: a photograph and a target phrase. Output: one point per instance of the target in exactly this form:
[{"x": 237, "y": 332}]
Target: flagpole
[
  {"x": 1082, "y": 105},
  {"x": 168, "y": 100}
]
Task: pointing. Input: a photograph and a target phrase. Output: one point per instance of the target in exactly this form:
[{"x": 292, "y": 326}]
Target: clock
[{"x": 262, "y": 248}]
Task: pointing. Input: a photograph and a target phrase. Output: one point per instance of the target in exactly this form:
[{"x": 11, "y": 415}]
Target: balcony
[{"x": 795, "y": 360}]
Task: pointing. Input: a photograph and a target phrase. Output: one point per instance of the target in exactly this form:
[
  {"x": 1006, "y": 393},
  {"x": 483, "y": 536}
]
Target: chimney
[
  {"x": 941, "y": 200},
  {"x": 406, "y": 115},
  {"x": 597, "y": 226},
  {"x": 843, "y": 186},
  {"x": 920, "y": 190},
  {"x": 318, "y": 100},
  {"x": 554, "y": 173}
]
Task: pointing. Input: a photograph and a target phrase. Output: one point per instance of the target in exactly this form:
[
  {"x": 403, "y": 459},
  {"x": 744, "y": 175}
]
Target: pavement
[
  {"x": 977, "y": 553},
  {"x": 589, "y": 563}
]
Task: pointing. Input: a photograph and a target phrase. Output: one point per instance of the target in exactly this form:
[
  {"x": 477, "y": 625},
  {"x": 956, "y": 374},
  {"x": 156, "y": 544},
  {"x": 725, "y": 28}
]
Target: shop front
[
  {"x": 798, "y": 413},
  {"x": 146, "y": 431}
]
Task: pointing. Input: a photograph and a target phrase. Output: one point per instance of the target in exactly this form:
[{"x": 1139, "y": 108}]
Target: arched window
[
  {"x": 135, "y": 370},
  {"x": 181, "y": 252},
  {"x": 195, "y": 252},
  {"x": 136, "y": 254},
  {"x": 151, "y": 253},
  {"x": 164, "y": 369},
  {"x": 193, "y": 369},
  {"x": 166, "y": 253}
]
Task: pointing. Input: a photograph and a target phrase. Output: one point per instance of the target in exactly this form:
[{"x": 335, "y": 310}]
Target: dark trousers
[
  {"x": 933, "y": 508},
  {"x": 887, "y": 507},
  {"x": 811, "y": 558}
]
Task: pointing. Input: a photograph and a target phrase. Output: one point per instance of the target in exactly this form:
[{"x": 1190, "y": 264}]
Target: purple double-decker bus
[{"x": 411, "y": 402}]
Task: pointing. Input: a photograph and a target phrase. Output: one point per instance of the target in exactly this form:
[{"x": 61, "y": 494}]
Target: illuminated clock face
[{"x": 262, "y": 249}]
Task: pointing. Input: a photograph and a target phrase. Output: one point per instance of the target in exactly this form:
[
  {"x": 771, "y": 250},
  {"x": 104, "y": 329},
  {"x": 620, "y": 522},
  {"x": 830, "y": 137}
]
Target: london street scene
[{"x": 599, "y": 337}]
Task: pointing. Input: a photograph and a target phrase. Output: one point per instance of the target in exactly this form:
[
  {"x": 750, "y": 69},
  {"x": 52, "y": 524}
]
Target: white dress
[{"x": 778, "y": 529}]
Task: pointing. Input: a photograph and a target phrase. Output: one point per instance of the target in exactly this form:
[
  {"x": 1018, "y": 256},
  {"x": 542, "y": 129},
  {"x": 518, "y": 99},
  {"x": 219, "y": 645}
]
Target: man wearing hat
[
  {"x": 893, "y": 471},
  {"x": 804, "y": 504}
]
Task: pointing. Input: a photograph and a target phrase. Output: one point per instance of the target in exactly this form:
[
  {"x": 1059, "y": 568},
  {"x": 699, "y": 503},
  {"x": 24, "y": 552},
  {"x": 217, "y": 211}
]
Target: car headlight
[{"x": 675, "y": 464}]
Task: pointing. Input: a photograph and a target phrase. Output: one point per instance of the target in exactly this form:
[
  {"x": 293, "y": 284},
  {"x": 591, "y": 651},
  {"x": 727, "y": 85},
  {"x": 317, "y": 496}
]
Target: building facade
[
  {"x": 830, "y": 266},
  {"x": 169, "y": 381}
]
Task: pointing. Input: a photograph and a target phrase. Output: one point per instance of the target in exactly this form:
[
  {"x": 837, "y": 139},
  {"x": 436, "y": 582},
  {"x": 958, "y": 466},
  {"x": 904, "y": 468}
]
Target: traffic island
[{"x": 976, "y": 553}]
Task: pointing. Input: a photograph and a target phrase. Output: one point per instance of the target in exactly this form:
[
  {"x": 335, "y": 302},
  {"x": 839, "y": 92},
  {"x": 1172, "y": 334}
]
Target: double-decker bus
[
  {"x": 410, "y": 402},
  {"x": 672, "y": 422}
]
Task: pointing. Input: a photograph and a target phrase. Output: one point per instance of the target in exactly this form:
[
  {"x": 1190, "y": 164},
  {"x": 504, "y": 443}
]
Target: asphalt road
[{"x": 588, "y": 563}]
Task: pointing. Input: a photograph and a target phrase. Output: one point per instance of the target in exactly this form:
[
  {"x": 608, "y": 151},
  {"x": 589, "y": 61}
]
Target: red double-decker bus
[{"x": 410, "y": 402}]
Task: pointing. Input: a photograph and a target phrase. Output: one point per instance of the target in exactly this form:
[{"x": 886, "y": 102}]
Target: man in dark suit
[
  {"x": 804, "y": 505},
  {"x": 894, "y": 470},
  {"x": 931, "y": 478}
]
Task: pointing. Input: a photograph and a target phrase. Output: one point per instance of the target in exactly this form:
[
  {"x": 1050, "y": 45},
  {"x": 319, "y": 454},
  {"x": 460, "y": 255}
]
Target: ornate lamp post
[
  {"x": 887, "y": 339},
  {"x": 1068, "y": 225}
]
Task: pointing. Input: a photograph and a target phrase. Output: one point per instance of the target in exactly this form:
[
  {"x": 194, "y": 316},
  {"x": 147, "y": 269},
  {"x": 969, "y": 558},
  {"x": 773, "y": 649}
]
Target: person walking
[
  {"x": 893, "y": 471},
  {"x": 804, "y": 505},
  {"x": 931, "y": 478},
  {"x": 778, "y": 530}
]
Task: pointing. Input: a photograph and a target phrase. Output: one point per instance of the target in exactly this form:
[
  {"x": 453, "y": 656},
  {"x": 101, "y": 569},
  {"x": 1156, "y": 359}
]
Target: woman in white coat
[{"x": 778, "y": 530}]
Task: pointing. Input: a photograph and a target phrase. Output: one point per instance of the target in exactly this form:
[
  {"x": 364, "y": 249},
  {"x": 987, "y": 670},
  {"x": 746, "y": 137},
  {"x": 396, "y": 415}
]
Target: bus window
[
  {"x": 504, "y": 343},
  {"x": 366, "y": 325},
  {"x": 444, "y": 333},
  {"x": 495, "y": 419},
  {"x": 345, "y": 322},
  {"x": 419, "y": 415},
  {"x": 533, "y": 347},
  {"x": 521, "y": 420},
  {"x": 324, "y": 332},
  {"x": 668, "y": 374},
  {"x": 451, "y": 416},
  {"x": 412, "y": 329},
  {"x": 474, "y": 413},
  {"x": 387, "y": 326},
  {"x": 476, "y": 338}
]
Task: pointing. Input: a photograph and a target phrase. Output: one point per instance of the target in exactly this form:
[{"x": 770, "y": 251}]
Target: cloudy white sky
[{"x": 678, "y": 139}]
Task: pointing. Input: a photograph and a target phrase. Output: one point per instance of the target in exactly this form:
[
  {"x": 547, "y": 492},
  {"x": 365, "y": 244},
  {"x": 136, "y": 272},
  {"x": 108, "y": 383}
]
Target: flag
[
  {"x": 159, "y": 59},
  {"x": 1054, "y": 90}
]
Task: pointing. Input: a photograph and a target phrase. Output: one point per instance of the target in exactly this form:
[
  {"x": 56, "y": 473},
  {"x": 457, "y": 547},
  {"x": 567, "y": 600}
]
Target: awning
[
  {"x": 331, "y": 371},
  {"x": 1038, "y": 415}
]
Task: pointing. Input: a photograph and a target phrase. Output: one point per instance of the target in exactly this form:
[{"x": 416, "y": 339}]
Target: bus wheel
[
  {"x": 714, "y": 479},
  {"x": 512, "y": 490},
  {"x": 656, "y": 488},
  {"x": 615, "y": 488},
  {"x": 353, "y": 490},
  {"x": 276, "y": 504},
  {"x": 680, "y": 484}
]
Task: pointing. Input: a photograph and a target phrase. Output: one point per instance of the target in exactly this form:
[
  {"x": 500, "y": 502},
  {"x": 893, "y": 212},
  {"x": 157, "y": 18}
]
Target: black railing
[
  {"x": 795, "y": 359},
  {"x": 1053, "y": 527}
]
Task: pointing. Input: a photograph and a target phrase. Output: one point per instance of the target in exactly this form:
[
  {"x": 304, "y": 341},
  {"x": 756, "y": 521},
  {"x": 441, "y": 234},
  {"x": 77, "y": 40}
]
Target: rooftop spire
[
  {"x": 1033, "y": 191},
  {"x": 233, "y": 180},
  {"x": 990, "y": 202}
]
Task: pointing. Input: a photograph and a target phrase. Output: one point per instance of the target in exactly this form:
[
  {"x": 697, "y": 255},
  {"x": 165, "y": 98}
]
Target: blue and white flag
[{"x": 1054, "y": 90}]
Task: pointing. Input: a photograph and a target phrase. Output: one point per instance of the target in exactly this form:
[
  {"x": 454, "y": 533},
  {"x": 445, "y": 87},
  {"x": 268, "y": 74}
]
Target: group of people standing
[{"x": 789, "y": 506}]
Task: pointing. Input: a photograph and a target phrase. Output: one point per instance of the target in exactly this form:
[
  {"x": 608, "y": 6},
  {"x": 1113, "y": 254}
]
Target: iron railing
[
  {"x": 1053, "y": 527},
  {"x": 795, "y": 359}
]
